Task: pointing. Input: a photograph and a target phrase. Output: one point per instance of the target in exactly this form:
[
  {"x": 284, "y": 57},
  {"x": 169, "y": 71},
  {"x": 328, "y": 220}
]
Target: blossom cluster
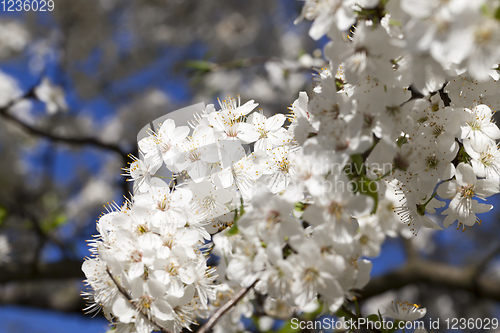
[
  {"x": 149, "y": 264},
  {"x": 399, "y": 122},
  {"x": 381, "y": 97}
]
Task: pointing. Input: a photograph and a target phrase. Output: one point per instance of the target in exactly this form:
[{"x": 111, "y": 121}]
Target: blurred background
[{"x": 79, "y": 82}]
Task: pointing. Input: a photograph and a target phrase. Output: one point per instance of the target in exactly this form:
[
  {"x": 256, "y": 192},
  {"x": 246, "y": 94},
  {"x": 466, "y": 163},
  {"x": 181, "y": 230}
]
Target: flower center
[
  {"x": 483, "y": 35},
  {"x": 169, "y": 241},
  {"x": 422, "y": 120},
  {"x": 272, "y": 218},
  {"x": 333, "y": 112},
  {"x": 145, "y": 303},
  {"x": 164, "y": 204},
  {"x": 335, "y": 209},
  {"x": 467, "y": 191},
  {"x": 311, "y": 275},
  {"x": 475, "y": 125},
  {"x": 142, "y": 229},
  {"x": 172, "y": 270},
  {"x": 392, "y": 110},
  {"x": 438, "y": 129},
  {"x": 284, "y": 165},
  {"x": 486, "y": 159},
  {"x": 136, "y": 256},
  {"x": 368, "y": 120},
  {"x": 208, "y": 203},
  {"x": 432, "y": 162},
  {"x": 232, "y": 133},
  {"x": 194, "y": 156},
  {"x": 165, "y": 147}
]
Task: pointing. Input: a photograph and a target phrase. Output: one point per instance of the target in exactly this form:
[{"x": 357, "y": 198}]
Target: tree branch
[
  {"x": 4, "y": 112},
  {"x": 225, "y": 308},
  {"x": 208, "y": 66},
  {"x": 434, "y": 273},
  {"x": 411, "y": 253},
  {"x": 66, "y": 269},
  {"x": 124, "y": 292},
  {"x": 484, "y": 262},
  {"x": 57, "y": 138},
  {"x": 57, "y": 295}
]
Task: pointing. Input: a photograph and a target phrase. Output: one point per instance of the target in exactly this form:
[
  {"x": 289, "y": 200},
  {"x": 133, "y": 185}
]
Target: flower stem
[{"x": 225, "y": 308}]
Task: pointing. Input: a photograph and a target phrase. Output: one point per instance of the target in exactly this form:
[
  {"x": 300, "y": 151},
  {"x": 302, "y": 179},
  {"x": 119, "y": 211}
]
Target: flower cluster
[
  {"x": 401, "y": 118},
  {"x": 410, "y": 97},
  {"x": 149, "y": 265}
]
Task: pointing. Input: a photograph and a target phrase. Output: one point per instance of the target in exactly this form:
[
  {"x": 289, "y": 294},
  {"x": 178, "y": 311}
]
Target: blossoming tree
[
  {"x": 235, "y": 213},
  {"x": 389, "y": 132}
]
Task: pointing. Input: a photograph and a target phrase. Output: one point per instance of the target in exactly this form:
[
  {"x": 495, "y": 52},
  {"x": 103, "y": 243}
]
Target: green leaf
[
  {"x": 341, "y": 313},
  {"x": 287, "y": 250},
  {"x": 462, "y": 156},
  {"x": 199, "y": 65},
  {"x": 485, "y": 10},
  {"x": 299, "y": 206},
  {"x": 234, "y": 229},
  {"x": 358, "y": 165},
  {"x": 53, "y": 223},
  {"x": 395, "y": 23},
  {"x": 339, "y": 84},
  {"x": 497, "y": 13},
  {"x": 242, "y": 207},
  {"x": 401, "y": 141},
  {"x": 3, "y": 214}
]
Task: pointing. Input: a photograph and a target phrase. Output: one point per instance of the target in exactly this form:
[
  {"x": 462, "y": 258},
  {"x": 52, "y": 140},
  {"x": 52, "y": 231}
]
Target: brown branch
[
  {"x": 66, "y": 269},
  {"x": 410, "y": 251},
  {"x": 225, "y": 308},
  {"x": 57, "y": 138},
  {"x": 437, "y": 274},
  {"x": 482, "y": 265},
  {"x": 134, "y": 303},
  {"x": 57, "y": 295},
  {"x": 83, "y": 141},
  {"x": 208, "y": 66},
  {"x": 431, "y": 273}
]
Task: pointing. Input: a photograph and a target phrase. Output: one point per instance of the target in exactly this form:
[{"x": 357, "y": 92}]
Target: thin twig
[
  {"x": 63, "y": 139},
  {"x": 481, "y": 266},
  {"x": 207, "y": 66},
  {"x": 225, "y": 308},
  {"x": 82, "y": 141},
  {"x": 484, "y": 262},
  {"x": 410, "y": 251},
  {"x": 134, "y": 303}
]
